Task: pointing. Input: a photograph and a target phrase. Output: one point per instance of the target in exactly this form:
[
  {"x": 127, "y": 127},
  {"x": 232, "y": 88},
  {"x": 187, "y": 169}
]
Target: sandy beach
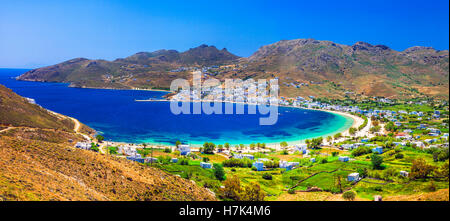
[{"x": 357, "y": 121}]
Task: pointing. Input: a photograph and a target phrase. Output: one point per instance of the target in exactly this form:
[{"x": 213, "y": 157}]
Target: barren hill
[{"x": 38, "y": 162}]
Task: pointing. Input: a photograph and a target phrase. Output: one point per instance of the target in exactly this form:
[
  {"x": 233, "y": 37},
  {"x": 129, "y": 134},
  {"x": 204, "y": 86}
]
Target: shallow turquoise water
[{"x": 116, "y": 115}]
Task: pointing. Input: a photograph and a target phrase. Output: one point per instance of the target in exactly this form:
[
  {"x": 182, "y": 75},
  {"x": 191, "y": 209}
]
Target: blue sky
[{"x": 38, "y": 33}]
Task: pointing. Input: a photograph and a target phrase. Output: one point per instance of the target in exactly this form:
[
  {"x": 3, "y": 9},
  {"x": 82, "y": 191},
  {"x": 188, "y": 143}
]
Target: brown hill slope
[
  {"x": 374, "y": 70},
  {"x": 322, "y": 68},
  {"x": 38, "y": 162},
  {"x": 143, "y": 69}
]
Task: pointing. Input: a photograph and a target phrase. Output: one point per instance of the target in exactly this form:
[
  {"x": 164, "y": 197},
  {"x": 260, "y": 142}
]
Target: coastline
[{"x": 356, "y": 121}]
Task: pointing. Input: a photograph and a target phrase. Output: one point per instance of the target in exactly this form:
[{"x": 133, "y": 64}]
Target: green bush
[
  {"x": 399, "y": 156},
  {"x": 235, "y": 162},
  {"x": 362, "y": 150},
  {"x": 183, "y": 161},
  {"x": 219, "y": 173},
  {"x": 267, "y": 176},
  {"x": 349, "y": 195}
]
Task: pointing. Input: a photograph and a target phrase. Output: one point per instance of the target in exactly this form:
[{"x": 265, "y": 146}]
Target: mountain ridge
[{"x": 362, "y": 68}]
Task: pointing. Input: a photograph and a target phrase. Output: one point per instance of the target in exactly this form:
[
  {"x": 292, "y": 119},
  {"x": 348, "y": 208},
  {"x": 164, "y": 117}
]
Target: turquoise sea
[{"x": 116, "y": 115}]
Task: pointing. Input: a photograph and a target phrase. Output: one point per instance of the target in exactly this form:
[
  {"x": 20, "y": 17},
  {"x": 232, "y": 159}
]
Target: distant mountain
[
  {"x": 374, "y": 70},
  {"x": 38, "y": 162},
  {"x": 304, "y": 67},
  {"x": 143, "y": 69}
]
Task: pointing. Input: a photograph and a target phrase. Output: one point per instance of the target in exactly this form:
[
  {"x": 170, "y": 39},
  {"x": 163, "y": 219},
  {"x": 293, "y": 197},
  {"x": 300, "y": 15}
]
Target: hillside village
[{"x": 385, "y": 150}]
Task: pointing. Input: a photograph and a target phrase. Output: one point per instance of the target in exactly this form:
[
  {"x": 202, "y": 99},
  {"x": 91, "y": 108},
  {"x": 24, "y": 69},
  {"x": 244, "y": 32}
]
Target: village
[{"x": 381, "y": 156}]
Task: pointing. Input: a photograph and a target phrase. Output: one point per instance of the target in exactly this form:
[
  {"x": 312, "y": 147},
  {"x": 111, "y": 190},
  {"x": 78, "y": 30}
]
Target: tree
[
  {"x": 208, "y": 148},
  {"x": 177, "y": 143},
  {"x": 100, "y": 138},
  {"x": 390, "y": 127},
  {"x": 252, "y": 192},
  {"x": 375, "y": 123},
  {"x": 376, "y": 161},
  {"x": 388, "y": 145},
  {"x": 420, "y": 169},
  {"x": 337, "y": 136},
  {"x": 315, "y": 143},
  {"x": 252, "y": 146},
  {"x": 444, "y": 171},
  {"x": 362, "y": 172},
  {"x": 329, "y": 138},
  {"x": 349, "y": 195},
  {"x": 227, "y": 146},
  {"x": 219, "y": 173},
  {"x": 241, "y": 146},
  {"x": 338, "y": 183},
  {"x": 283, "y": 144},
  {"x": 352, "y": 131},
  {"x": 232, "y": 189}
]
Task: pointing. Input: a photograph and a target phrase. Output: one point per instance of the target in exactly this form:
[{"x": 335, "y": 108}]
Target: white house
[{"x": 353, "y": 177}]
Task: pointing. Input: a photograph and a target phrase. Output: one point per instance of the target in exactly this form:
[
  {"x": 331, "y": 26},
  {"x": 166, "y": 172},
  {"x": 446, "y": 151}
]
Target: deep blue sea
[{"x": 116, "y": 115}]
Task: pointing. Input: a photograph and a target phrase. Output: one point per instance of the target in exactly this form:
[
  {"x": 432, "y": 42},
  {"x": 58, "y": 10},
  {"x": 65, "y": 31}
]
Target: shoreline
[
  {"x": 345, "y": 132},
  {"x": 356, "y": 122}
]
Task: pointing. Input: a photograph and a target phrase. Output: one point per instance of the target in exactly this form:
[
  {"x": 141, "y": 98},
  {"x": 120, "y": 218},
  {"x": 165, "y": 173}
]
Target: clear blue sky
[{"x": 37, "y": 33}]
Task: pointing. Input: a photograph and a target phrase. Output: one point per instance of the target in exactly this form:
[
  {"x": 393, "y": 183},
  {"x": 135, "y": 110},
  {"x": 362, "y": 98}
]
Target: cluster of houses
[{"x": 83, "y": 145}]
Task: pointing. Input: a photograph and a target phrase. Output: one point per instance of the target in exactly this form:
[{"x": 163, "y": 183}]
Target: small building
[
  {"x": 302, "y": 148},
  {"x": 378, "y": 198},
  {"x": 344, "y": 158},
  {"x": 206, "y": 165},
  {"x": 259, "y": 165},
  {"x": 404, "y": 173},
  {"x": 184, "y": 149},
  {"x": 241, "y": 156},
  {"x": 313, "y": 160},
  {"x": 150, "y": 160},
  {"x": 353, "y": 177},
  {"x": 136, "y": 158},
  {"x": 365, "y": 140},
  {"x": 174, "y": 160},
  {"x": 83, "y": 145},
  {"x": 378, "y": 150}
]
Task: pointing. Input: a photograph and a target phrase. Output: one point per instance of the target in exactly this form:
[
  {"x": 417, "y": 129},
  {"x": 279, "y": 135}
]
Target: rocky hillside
[
  {"x": 373, "y": 70},
  {"x": 143, "y": 69},
  {"x": 38, "y": 162},
  {"x": 304, "y": 66}
]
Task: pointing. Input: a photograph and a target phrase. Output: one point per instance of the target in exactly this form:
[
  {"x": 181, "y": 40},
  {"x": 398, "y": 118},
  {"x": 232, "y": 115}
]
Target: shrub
[
  {"x": 219, "y": 173},
  {"x": 183, "y": 161},
  {"x": 335, "y": 153},
  {"x": 349, "y": 195},
  {"x": 376, "y": 161},
  {"x": 167, "y": 150},
  {"x": 235, "y": 162},
  {"x": 254, "y": 168},
  {"x": 291, "y": 191},
  {"x": 399, "y": 156},
  {"x": 267, "y": 176},
  {"x": 362, "y": 150},
  {"x": 362, "y": 172}
]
